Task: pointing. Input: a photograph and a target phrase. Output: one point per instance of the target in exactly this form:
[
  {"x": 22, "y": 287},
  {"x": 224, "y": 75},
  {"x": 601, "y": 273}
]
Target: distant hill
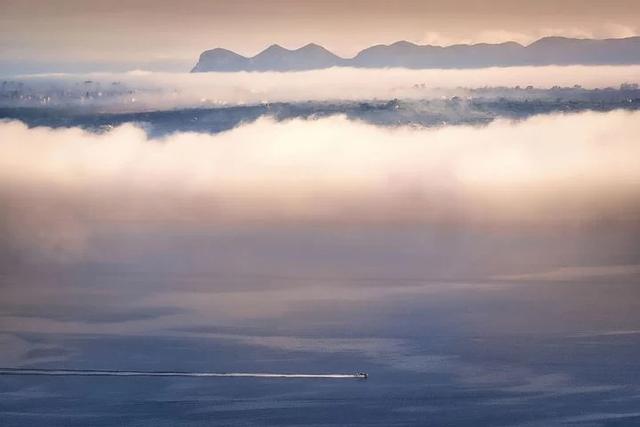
[
  {"x": 546, "y": 51},
  {"x": 273, "y": 58}
]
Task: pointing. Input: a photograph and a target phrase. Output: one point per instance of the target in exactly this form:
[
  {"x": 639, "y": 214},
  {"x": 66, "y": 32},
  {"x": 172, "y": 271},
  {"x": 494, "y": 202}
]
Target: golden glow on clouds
[{"x": 58, "y": 185}]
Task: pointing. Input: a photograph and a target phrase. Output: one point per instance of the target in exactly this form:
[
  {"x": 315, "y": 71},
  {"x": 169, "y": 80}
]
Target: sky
[{"x": 89, "y": 35}]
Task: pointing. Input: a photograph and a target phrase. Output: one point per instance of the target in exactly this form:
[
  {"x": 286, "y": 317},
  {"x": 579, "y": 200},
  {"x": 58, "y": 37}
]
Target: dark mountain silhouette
[
  {"x": 273, "y": 58},
  {"x": 561, "y": 50},
  {"x": 546, "y": 51},
  {"x": 220, "y": 60},
  {"x": 409, "y": 55}
]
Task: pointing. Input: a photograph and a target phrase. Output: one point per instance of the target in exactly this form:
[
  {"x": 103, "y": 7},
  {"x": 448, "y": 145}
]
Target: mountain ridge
[{"x": 551, "y": 50}]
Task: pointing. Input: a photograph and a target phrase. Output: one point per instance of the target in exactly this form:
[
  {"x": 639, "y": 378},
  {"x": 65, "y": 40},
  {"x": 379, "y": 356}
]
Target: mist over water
[
  {"x": 481, "y": 271},
  {"x": 145, "y": 91}
]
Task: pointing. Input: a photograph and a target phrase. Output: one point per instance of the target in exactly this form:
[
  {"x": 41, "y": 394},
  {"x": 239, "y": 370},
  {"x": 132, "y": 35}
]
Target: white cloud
[{"x": 56, "y": 186}]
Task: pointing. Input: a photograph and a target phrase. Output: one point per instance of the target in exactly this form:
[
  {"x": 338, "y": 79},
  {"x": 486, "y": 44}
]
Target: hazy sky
[{"x": 165, "y": 34}]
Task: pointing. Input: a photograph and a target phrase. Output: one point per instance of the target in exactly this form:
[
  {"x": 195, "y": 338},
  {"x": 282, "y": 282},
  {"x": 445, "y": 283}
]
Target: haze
[
  {"x": 41, "y": 36},
  {"x": 469, "y": 237}
]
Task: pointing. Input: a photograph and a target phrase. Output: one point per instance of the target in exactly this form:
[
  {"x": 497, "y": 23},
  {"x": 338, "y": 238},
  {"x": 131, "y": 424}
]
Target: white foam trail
[{"x": 75, "y": 372}]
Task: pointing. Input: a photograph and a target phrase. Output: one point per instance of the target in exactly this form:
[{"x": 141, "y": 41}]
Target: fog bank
[
  {"x": 142, "y": 90},
  {"x": 59, "y": 186}
]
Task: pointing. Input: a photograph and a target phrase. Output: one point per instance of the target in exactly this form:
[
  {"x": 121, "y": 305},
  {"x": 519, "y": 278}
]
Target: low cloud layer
[
  {"x": 57, "y": 187},
  {"x": 154, "y": 91}
]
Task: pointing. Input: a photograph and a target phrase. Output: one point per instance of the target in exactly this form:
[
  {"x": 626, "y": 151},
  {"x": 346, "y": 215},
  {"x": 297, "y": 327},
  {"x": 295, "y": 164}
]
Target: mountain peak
[
  {"x": 553, "y": 40},
  {"x": 312, "y": 46},
  {"x": 274, "y": 48},
  {"x": 403, "y": 43},
  {"x": 220, "y": 51}
]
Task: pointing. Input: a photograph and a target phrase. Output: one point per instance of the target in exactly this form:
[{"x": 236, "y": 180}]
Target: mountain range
[{"x": 404, "y": 54}]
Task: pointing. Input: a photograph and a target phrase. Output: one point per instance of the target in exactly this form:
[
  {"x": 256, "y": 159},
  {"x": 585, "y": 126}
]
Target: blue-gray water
[{"x": 501, "y": 353}]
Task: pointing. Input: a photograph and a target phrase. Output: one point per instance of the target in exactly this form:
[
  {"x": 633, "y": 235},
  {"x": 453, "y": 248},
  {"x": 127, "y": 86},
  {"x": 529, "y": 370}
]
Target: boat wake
[{"x": 82, "y": 372}]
